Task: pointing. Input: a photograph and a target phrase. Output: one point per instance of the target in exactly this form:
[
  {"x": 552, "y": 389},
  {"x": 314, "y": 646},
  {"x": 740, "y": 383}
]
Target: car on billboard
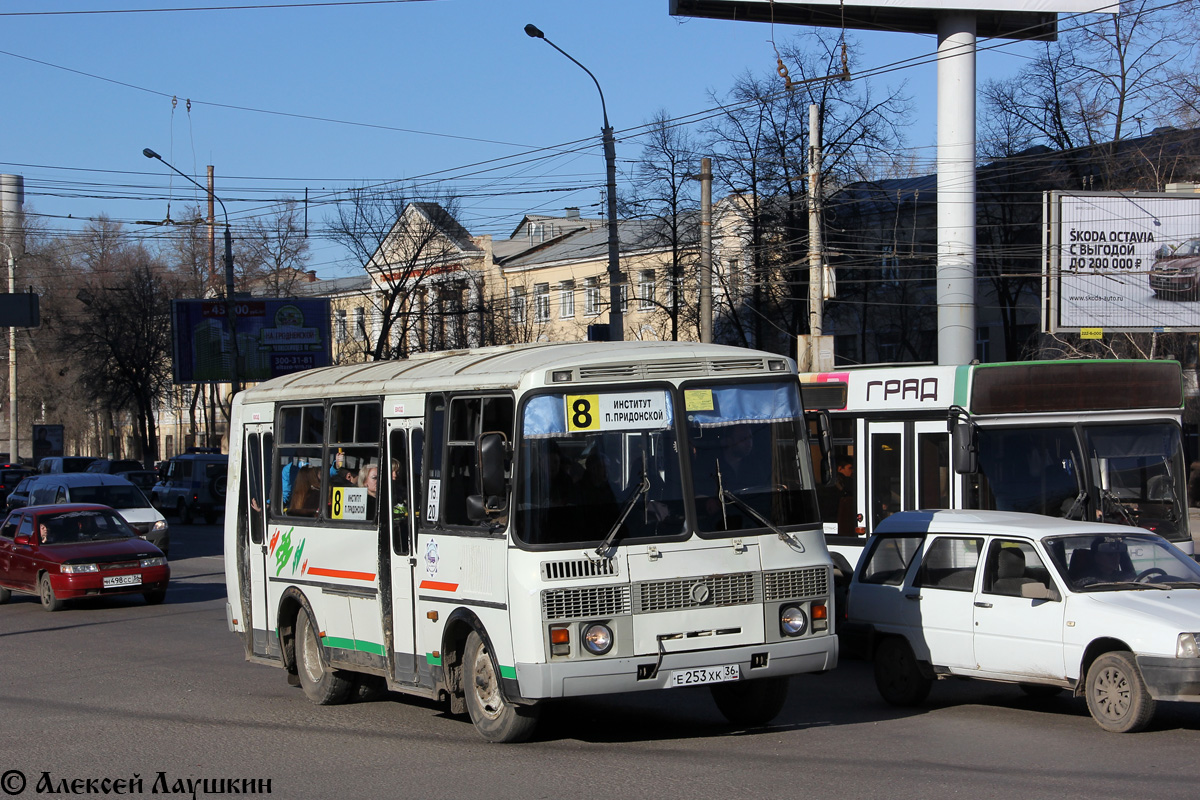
[{"x": 1175, "y": 273}]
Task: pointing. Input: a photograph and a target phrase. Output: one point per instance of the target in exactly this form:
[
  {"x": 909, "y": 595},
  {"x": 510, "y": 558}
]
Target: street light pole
[
  {"x": 235, "y": 385},
  {"x": 13, "y": 437},
  {"x": 616, "y": 323}
]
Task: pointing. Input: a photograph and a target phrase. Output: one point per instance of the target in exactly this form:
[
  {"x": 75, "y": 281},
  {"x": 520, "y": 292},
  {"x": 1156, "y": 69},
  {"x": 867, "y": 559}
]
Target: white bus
[
  {"x": 510, "y": 525},
  {"x": 1089, "y": 440}
]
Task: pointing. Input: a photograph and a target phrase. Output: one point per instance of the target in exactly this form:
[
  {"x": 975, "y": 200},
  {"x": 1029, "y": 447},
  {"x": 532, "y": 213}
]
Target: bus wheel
[
  {"x": 496, "y": 719},
  {"x": 324, "y": 686},
  {"x": 898, "y": 676},
  {"x": 1117, "y": 695},
  {"x": 753, "y": 702}
]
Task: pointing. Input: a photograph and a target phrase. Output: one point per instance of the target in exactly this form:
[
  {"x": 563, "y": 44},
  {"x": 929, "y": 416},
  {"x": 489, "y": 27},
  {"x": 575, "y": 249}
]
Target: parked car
[
  {"x": 18, "y": 496},
  {"x": 56, "y": 464},
  {"x": 10, "y": 476},
  {"x": 144, "y": 479},
  {"x": 192, "y": 484},
  {"x": 114, "y": 466},
  {"x": 76, "y": 550},
  {"x": 109, "y": 490},
  {"x": 1110, "y": 613},
  {"x": 1176, "y": 272}
]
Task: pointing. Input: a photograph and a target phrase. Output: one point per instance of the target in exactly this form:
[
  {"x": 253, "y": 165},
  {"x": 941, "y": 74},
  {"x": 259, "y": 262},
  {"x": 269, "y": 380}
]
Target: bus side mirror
[{"x": 964, "y": 443}]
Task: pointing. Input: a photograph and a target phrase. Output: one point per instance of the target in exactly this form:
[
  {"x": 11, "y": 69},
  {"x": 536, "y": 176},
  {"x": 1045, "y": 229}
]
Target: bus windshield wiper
[
  {"x": 641, "y": 489},
  {"x": 766, "y": 523}
]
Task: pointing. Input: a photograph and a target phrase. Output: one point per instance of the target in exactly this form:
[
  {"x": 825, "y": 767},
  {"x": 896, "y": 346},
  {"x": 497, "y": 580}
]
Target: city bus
[
  {"x": 1096, "y": 440},
  {"x": 506, "y": 526}
]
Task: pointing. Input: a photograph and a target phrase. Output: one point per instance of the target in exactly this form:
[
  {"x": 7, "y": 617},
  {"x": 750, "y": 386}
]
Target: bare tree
[
  {"x": 122, "y": 340},
  {"x": 275, "y": 250},
  {"x": 664, "y": 194},
  {"x": 425, "y": 294},
  {"x": 761, "y": 147}
]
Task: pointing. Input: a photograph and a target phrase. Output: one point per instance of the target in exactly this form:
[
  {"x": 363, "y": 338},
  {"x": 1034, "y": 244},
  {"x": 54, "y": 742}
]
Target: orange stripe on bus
[
  {"x": 439, "y": 586},
  {"x": 341, "y": 573}
]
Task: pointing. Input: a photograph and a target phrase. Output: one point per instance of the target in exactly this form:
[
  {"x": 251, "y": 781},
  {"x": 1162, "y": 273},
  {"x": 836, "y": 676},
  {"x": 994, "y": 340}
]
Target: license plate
[
  {"x": 113, "y": 581},
  {"x": 695, "y": 677}
]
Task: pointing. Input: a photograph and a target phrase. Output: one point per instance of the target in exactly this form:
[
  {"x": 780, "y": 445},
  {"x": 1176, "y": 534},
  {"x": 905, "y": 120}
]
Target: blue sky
[{"x": 429, "y": 89}]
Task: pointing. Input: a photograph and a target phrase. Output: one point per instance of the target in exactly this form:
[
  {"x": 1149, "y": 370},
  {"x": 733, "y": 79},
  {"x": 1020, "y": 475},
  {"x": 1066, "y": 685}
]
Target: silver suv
[{"x": 192, "y": 484}]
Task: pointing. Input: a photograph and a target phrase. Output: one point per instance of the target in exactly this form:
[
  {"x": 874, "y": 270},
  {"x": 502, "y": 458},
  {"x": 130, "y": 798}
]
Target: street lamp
[
  {"x": 234, "y": 385},
  {"x": 616, "y": 325},
  {"x": 13, "y": 438}
]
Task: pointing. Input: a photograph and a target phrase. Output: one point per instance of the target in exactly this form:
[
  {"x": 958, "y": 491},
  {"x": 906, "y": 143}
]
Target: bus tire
[
  {"x": 1117, "y": 696},
  {"x": 753, "y": 702},
  {"x": 322, "y": 685},
  {"x": 494, "y": 717},
  {"x": 898, "y": 676}
]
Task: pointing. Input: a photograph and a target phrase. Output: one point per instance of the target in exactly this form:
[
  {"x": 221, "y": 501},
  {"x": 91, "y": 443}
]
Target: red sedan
[{"x": 66, "y": 551}]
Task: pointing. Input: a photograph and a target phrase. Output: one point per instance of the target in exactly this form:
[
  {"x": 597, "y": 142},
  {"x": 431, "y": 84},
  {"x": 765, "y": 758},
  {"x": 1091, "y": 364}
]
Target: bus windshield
[
  {"x": 747, "y": 467},
  {"x": 587, "y": 460},
  {"x": 1128, "y": 474},
  {"x": 588, "y": 474}
]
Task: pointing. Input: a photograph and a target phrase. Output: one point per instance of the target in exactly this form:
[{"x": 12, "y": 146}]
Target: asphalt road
[{"x": 117, "y": 689}]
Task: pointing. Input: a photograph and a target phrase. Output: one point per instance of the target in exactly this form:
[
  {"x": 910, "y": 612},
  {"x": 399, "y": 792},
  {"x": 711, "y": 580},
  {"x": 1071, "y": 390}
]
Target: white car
[
  {"x": 109, "y": 490},
  {"x": 1111, "y": 613}
]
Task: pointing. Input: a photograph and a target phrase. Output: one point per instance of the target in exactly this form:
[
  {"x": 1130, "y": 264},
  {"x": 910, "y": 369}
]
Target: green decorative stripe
[
  {"x": 962, "y": 377},
  {"x": 508, "y": 672},
  {"x": 433, "y": 660},
  {"x": 354, "y": 644}
]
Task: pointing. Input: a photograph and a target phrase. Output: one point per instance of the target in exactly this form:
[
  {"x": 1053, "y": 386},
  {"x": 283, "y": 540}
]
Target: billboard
[
  {"x": 1016, "y": 19},
  {"x": 274, "y": 336},
  {"x": 47, "y": 441},
  {"x": 1122, "y": 261}
]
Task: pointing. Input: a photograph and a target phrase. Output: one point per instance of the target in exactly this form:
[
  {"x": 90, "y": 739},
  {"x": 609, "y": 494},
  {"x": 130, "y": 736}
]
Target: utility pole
[
  {"x": 12, "y": 198},
  {"x": 706, "y": 275},
  {"x": 816, "y": 272}
]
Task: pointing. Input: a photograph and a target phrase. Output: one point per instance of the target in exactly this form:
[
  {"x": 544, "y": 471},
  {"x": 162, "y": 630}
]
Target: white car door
[
  {"x": 942, "y": 592},
  {"x": 1018, "y": 637}
]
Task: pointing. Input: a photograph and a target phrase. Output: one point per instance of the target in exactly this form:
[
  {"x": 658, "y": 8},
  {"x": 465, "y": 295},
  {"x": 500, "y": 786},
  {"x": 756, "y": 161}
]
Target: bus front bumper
[{"x": 582, "y": 677}]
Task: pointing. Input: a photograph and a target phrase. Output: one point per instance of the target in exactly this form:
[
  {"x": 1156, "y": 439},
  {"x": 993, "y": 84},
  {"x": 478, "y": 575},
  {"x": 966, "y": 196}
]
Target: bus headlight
[
  {"x": 597, "y": 638},
  {"x": 1187, "y": 645},
  {"x": 792, "y": 621}
]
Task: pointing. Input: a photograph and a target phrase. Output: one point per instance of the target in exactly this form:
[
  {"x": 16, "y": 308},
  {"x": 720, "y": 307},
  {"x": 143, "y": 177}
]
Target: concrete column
[{"x": 956, "y": 188}]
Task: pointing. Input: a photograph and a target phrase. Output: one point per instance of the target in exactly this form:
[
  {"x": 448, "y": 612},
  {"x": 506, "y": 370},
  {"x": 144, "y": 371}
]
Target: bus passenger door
[
  {"x": 404, "y": 468},
  {"x": 935, "y": 482},
  {"x": 887, "y": 481},
  {"x": 257, "y": 460}
]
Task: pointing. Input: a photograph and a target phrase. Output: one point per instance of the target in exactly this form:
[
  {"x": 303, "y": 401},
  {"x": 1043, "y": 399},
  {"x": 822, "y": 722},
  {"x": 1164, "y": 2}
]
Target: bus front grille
[
  {"x": 795, "y": 583},
  {"x": 709, "y": 590},
  {"x": 578, "y": 568},
  {"x": 585, "y": 602}
]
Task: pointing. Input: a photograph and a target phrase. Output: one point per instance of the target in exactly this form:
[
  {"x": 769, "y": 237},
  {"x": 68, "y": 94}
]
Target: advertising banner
[
  {"x": 47, "y": 441},
  {"x": 275, "y": 336},
  {"x": 1123, "y": 262}
]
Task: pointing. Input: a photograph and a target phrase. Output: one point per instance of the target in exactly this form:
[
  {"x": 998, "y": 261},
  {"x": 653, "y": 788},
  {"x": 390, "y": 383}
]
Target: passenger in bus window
[
  {"x": 305, "y": 491},
  {"x": 370, "y": 481}
]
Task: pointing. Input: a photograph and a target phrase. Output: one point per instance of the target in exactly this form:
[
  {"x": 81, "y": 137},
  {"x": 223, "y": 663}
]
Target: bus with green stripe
[
  {"x": 1094, "y": 440},
  {"x": 504, "y": 527}
]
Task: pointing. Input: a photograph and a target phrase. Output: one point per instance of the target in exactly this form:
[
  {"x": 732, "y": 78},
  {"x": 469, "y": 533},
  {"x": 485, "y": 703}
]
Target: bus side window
[
  {"x": 431, "y": 481},
  {"x": 401, "y": 512},
  {"x": 469, "y": 418}
]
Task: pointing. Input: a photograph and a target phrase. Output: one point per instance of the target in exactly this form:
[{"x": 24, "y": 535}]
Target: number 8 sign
[{"x": 582, "y": 412}]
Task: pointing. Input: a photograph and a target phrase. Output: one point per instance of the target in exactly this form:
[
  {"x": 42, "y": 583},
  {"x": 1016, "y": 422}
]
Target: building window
[
  {"x": 983, "y": 342},
  {"x": 591, "y": 296},
  {"x": 890, "y": 268},
  {"x": 360, "y": 324},
  {"x": 566, "y": 299},
  {"x": 541, "y": 302},
  {"x": 339, "y": 325},
  {"x": 646, "y": 290},
  {"x": 518, "y": 304},
  {"x": 624, "y": 297}
]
